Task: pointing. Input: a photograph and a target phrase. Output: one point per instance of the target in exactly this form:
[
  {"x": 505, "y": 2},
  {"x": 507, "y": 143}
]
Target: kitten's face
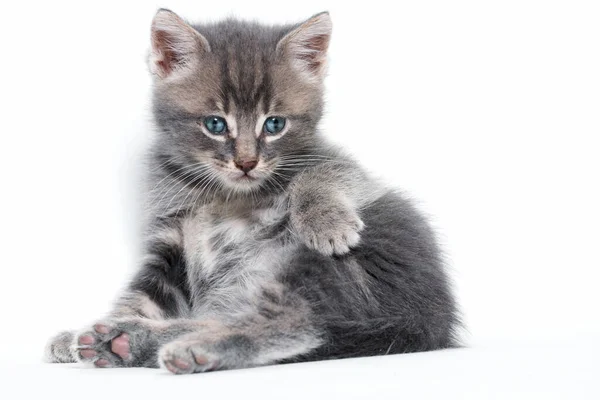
[{"x": 236, "y": 101}]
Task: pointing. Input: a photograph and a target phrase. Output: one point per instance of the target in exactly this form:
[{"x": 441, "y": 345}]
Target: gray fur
[
  {"x": 58, "y": 349},
  {"x": 305, "y": 257}
]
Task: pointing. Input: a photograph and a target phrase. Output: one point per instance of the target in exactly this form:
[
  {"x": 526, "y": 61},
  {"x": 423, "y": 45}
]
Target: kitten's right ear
[
  {"x": 176, "y": 46},
  {"x": 306, "y": 46}
]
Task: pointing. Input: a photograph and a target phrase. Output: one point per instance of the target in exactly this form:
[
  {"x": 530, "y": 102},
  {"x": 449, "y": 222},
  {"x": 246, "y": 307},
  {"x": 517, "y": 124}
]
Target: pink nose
[{"x": 246, "y": 166}]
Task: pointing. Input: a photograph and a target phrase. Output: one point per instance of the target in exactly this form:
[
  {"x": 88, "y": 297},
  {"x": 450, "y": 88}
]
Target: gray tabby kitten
[{"x": 264, "y": 244}]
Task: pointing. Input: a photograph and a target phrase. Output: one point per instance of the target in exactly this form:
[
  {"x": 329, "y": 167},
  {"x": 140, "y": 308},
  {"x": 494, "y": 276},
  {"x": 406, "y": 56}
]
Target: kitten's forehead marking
[
  {"x": 232, "y": 126},
  {"x": 260, "y": 121},
  {"x": 263, "y": 111},
  {"x": 230, "y": 118}
]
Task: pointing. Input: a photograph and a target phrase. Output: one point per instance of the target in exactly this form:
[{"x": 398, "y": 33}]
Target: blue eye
[
  {"x": 274, "y": 125},
  {"x": 215, "y": 125}
]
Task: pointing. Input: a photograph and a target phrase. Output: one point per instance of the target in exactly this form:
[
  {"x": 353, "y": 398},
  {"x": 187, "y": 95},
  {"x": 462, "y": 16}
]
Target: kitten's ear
[
  {"x": 306, "y": 46},
  {"x": 175, "y": 44}
]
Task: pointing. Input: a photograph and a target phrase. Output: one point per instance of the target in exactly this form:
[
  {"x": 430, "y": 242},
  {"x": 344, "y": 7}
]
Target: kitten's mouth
[
  {"x": 246, "y": 177},
  {"x": 242, "y": 180}
]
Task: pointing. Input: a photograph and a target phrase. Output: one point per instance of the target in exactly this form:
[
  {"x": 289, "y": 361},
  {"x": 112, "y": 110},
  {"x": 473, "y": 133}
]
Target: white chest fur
[{"x": 232, "y": 257}]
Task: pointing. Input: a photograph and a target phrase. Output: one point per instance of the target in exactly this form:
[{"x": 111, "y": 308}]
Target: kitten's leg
[
  {"x": 324, "y": 205},
  {"x": 275, "y": 332},
  {"x": 68, "y": 346},
  {"x": 132, "y": 341},
  {"x": 158, "y": 291}
]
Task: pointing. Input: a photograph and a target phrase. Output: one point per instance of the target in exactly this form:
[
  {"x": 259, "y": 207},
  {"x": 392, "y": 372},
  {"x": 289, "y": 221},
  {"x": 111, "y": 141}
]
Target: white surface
[
  {"x": 490, "y": 115},
  {"x": 494, "y": 371}
]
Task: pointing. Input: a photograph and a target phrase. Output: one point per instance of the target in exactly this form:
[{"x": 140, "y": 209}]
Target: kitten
[{"x": 264, "y": 244}]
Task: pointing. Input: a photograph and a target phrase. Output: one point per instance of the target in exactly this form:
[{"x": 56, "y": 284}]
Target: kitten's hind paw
[
  {"x": 187, "y": 357},
  {"x": 115, "y": 344}
]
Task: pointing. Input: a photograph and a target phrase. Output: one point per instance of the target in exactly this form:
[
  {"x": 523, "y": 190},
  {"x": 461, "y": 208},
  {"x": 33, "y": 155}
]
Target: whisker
[
  {"x": 169, "y": 187},
  {"x": 212, "y": 177},
  {"x": 182, "y": 168},
  {"x": 187, "y": 184},
  {"x": 189, "y": 192}
]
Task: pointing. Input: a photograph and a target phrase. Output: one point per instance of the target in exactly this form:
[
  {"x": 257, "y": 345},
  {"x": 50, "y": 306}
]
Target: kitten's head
[{"x": 238, "y": 101}]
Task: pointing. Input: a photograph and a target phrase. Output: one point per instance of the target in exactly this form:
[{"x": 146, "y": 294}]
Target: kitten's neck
[{"x": 244, "y": 205}]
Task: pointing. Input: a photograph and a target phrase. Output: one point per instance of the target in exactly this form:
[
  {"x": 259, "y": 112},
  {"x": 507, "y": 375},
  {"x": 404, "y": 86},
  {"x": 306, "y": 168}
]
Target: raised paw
[
  {"x": 329, "y": 230},
  {"x": 116, "y": 344},
  {"x": 188, "y": 357}
]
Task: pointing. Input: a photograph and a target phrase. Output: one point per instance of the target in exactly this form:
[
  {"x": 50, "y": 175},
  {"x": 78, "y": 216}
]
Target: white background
[{"x": 489, "y": 113}]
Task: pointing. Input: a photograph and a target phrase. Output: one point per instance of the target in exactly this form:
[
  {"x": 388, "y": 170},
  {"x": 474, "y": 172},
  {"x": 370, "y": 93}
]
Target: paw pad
[
  {"x": 86, "y": 340},
  {"x": 120, "y": 346},
  {"x": 183, "y": 357},
  {"x": 102, "y": 363},
  {"x": 87, "y": 353},
  {"x": 101, "y": 328},
  {"x": 103, "y": 346}
]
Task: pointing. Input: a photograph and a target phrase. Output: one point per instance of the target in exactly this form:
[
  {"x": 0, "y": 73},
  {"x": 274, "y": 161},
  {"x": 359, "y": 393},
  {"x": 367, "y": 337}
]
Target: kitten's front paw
[
  {"x": 328, "y": 229},
  {"x": 124, "y": 343}
]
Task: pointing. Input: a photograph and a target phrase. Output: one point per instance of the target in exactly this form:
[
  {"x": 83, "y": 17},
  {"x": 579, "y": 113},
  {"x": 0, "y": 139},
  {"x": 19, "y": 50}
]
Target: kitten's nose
[{"x": 246, "y": 166}]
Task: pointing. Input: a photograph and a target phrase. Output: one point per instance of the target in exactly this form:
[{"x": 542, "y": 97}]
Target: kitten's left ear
[{"x": 306, "y": 46}]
